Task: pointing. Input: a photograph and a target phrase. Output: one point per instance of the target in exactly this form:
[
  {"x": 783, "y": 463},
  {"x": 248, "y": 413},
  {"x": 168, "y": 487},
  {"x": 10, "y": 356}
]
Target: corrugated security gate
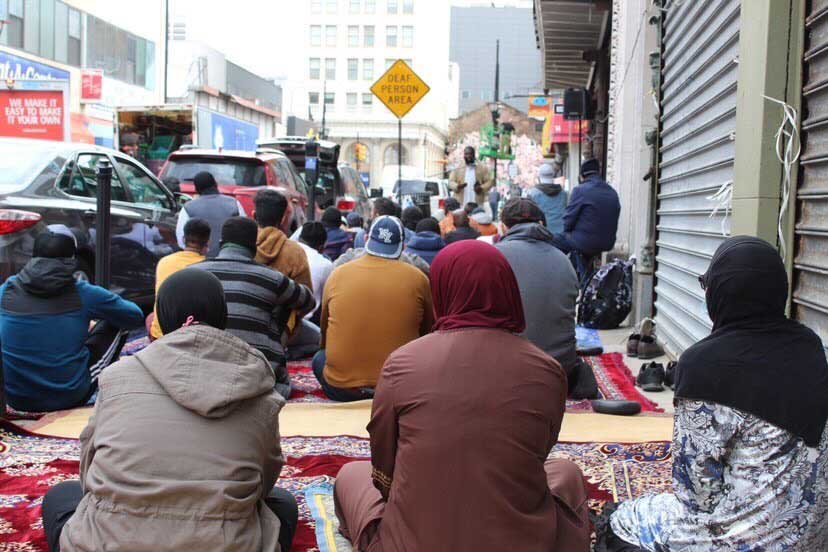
[
  {"x": 700, "y": 49},
  {"x": 810, "y": 278}
]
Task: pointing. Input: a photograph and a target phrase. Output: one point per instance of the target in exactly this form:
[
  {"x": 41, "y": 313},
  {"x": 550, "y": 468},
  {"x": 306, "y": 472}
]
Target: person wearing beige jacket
[
  {"x": 470, "y": 183},
  {"x": 182, "y": 451}
]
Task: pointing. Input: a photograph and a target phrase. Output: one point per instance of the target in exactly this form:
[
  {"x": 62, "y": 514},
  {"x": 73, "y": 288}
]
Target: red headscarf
[{"x": 473, "y": 286}]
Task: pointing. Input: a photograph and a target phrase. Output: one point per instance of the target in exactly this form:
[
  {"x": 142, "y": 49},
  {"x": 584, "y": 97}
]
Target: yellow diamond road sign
[{"x": 400, "y": 88}]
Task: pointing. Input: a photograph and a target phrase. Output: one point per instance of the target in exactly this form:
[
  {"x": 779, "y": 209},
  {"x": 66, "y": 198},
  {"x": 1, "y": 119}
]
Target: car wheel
[{"x": 83, "y": 272}]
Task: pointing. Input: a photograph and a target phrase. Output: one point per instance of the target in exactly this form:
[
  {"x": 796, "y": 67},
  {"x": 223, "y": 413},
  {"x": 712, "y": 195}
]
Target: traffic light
[{"x": 360, "y": 151}]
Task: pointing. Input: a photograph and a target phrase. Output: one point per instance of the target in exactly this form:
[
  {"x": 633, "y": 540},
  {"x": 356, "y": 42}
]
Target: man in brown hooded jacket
[{"x": 273, "y": 248}]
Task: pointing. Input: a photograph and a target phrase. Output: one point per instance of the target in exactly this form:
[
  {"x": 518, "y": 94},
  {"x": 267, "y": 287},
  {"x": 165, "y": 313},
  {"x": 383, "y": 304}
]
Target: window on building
[
  {"x": 316, "y": 6},
  {"x": 46, "y": 47},
  {"x": 353, "y": 6},
  {"x": 353, "y": 36},
  {"x": 316, "y": 35},
  {"x": 353, "y": 69},
  {"x": 408, "y": 6},
  {"x": 330, "y": 68},
  {"x": 367, "y": 99},
  {"x": 388, "y": 63},
  {"x": 392, "y": 157},
  {"x": 368, "y": 36},
  {"x": 119, "y": 54},
  {"x": 465, "y": 94},
  {"x": 330, "y": 35},
  {"x": 14, "y": 28},
  {"x": 330, "y": 97},
  {"x": 313, "y": 98},
  {"x": 368, "y": 69},
  {"x": 314, "y": 68},
  {"x": 74, "y": 46},
  {"x": 370, "y": 6},
  {"x": 351, "y": 98},
  {"x": 391, "y": 36},
  {"x": 392, "y": 6},
  {"x": 331, "y": 6},
  {"x": 408, "y": 36},
  {"x": 409, "y": 62}
]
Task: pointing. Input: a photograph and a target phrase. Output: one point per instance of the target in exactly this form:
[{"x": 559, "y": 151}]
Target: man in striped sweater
[{"x": 259, "y": 299}]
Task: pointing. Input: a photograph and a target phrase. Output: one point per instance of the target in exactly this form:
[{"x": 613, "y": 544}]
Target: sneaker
[
  {"x": 670, "y": 374},
  {"x": 651, "y": 377},
  {"x": 648, "y": 347},
  {"x": 632, "y": 345}
]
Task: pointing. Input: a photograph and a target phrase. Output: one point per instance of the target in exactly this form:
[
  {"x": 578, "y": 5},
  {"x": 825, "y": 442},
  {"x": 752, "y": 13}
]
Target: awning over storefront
[{"x": 567, "y": 30}]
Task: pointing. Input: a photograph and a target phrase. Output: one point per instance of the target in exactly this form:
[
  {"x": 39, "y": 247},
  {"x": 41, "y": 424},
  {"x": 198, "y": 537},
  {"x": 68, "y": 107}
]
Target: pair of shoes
[
  {"x": 651, "y": 377},
  {"x": 670, "y": 374},
  {"x": 644, "y": 344}
]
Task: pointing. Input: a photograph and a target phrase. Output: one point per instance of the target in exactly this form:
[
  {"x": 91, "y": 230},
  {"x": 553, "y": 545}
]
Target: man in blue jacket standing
[
  {"x": 591, "y": 218},
  {"x": 50, "y": 359}
]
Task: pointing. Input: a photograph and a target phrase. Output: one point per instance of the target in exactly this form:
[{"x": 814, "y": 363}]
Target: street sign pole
[
  {"x": 399, "y": 88},
  {"x": 103, "y": 229}
]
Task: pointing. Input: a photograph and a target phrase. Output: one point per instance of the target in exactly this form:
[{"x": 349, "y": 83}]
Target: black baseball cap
[{"x": 521, "y": 210}]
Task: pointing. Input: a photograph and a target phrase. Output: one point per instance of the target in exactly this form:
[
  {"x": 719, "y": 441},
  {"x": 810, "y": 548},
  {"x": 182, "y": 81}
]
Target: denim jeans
[
  {"x": 582, "y": 262},
  {"x": 337, "y": 393}
]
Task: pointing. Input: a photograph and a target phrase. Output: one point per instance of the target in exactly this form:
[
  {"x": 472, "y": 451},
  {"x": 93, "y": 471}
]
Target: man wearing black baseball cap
[
  {"x": 548, "y": 288},
  {"x": 50, "y": 359},
  {"x": 591, "y": 218}
]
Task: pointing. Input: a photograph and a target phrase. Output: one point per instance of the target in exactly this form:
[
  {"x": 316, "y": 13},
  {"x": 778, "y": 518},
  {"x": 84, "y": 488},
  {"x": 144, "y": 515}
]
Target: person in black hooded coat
[{"x": 750, "y": 452}]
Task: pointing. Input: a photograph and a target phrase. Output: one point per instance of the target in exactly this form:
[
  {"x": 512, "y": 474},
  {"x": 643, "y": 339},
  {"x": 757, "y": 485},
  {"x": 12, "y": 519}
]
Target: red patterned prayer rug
[
  {"x": 30, "y": 464},
  {"x": 615, "y": 381}
]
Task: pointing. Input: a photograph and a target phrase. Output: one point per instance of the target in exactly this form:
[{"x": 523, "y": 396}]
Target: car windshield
[
  {"x": 415, "y": 187},
  {"x": 21, "y": 163},
  {"x": 227, "y": 171}
]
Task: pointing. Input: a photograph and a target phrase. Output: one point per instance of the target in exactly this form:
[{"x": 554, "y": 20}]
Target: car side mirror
[
  {"x": 181, "y": 198},
  {"x": 375, "y": 193}
]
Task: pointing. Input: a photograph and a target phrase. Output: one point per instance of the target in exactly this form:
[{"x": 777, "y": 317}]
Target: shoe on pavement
[
  {"x": 632, "y": 345},
  {"x": 651, "y": 377},
  {"x": 648, "y": 347},
  {"x": 670, "y": 374}
]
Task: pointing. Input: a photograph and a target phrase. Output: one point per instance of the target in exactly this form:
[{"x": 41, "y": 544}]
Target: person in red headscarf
[{"x": 462, "y": 423}]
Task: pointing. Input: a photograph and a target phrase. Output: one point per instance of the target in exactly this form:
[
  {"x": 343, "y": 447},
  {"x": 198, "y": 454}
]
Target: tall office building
[
  {"x": 474, "y": 32},
  {"x": 348, "y": 45}
]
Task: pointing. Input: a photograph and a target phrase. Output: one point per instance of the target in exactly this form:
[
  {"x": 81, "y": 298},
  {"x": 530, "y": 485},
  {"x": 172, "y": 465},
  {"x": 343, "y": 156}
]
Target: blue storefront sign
[
  {"x": 18, "y": 68},
  {"x": 232, "y": 134}
]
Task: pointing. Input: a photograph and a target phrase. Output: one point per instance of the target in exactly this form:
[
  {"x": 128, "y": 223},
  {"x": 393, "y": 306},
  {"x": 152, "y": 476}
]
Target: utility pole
[
  {"x": 496, "y": 109},
  {"x": 322, "y": 133}
]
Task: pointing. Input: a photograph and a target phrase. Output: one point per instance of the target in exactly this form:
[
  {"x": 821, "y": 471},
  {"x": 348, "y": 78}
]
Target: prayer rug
[{"x": 30, "y": 464}]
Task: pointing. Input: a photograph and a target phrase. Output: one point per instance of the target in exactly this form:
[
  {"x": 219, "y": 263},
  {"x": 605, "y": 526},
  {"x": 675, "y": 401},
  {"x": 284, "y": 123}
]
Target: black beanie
[
  {"x": 240, "y": 231},
  {"x": 590, "y": 166},
  {"x": 204, "y": 181},
  {"x": 53, "y": 246},
  {"x": 332, "y": 217}
]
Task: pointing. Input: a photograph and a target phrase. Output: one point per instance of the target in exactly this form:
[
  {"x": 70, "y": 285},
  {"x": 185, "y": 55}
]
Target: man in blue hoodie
[
  {"x": 50, "y": 359},
  {"x": 426, "y": 242},
  {"x": 591, "y": 218}
]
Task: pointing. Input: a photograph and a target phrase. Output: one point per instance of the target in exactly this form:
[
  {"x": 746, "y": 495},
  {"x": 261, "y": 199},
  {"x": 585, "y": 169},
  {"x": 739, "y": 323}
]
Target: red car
[{"x": 240, "y": 174}]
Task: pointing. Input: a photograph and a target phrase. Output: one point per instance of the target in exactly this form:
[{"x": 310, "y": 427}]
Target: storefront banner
[
  {"x": 91, "y": 85},
  {"x": 539, "y": 106},
  {"x": 18, "y": 68}
]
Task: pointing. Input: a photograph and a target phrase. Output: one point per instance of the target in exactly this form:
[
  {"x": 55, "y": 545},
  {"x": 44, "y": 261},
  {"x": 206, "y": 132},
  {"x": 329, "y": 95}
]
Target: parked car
[
  {"x": 45, "y": 182},
  {"x": 343, "y": 188},
  {"x": 240, "y": 174},
  {"x": 427, "y": 194}
]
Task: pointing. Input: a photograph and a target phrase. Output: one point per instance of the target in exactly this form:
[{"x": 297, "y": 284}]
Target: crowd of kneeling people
[{"x": 468, "y": 351}]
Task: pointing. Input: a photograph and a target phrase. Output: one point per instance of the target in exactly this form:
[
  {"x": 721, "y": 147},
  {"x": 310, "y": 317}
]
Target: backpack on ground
[{"x": 606, "y": 298}]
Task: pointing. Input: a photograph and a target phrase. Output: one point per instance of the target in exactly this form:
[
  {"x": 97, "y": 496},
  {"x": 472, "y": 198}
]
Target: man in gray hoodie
[{"x": 548, "y": 287}]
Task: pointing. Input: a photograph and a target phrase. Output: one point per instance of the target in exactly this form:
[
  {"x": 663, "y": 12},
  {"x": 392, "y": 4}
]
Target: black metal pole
[
  {"x": 496, "y": 135},
  {"x": 322, "y": 135},
  {"x": 103, "y": 229},
  {"x": 399, "y": 161}
]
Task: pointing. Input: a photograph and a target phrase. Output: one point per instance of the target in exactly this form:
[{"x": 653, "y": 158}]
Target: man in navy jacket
[
  {"x": 50, "y": 359},
  {"x": 591, "y": 217}
]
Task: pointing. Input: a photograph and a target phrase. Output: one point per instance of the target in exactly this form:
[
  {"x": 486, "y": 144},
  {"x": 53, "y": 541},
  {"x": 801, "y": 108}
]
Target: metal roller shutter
[
  {"x": 810, "y": 277},
  {"x": 700, "y": 49}
]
